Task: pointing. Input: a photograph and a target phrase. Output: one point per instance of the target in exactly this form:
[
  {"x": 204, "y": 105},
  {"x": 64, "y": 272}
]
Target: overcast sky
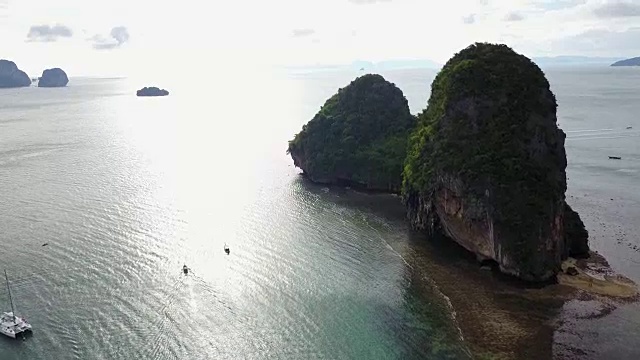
[{"x": 88, "y": 36}]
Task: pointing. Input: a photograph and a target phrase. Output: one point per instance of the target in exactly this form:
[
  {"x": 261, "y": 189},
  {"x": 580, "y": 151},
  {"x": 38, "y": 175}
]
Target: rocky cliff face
[
  {"x": 576, "y": 236},
  {"x": 487, "y": 163},
  {"x": 55, "y": 77},
  {"x": 358, "y": 137},
  {"x": 470, "y": 222},
  {"x": 11, "y": 76}
]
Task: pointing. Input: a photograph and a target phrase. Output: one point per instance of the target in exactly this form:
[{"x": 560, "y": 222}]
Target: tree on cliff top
[
  {"x": 491, "y": 124},
  {"x": 359, "y": 136}
]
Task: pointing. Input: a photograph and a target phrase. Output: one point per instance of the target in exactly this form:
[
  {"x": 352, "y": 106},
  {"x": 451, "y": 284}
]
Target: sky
[{"x": 119, "y": 37}]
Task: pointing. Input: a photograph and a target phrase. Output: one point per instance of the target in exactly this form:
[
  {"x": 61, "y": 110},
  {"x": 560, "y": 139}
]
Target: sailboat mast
[{"x": 10, "y": 299}]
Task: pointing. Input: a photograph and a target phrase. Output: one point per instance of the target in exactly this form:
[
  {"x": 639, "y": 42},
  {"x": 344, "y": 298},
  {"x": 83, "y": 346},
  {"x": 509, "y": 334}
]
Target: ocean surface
[{"x": 125, "y": 191}]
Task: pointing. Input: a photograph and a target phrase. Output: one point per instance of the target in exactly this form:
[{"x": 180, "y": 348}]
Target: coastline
[
  {"x": 596, "y": 278},
  {"x": 524, "y": 320},
  {"x": 499, "y": 317},
  {"x": 504, "y": 318},
  {"x": 568, "y": 320}
]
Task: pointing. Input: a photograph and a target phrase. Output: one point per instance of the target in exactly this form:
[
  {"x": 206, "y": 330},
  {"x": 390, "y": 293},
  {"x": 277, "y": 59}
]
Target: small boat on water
[
  {"x": 185, "y": 269},
  {"x": 226, "y": 249},
  {"x": 10, "y": 324},
  {"x": 13, "y": 326}
]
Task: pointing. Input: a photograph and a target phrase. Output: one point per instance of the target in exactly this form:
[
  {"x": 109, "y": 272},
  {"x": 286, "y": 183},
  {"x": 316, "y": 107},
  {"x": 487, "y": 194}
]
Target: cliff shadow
[
  {"x": 388, "y": 206},
  {"x": 497, "y": 314},
  {"x": 423, "y": 327},
  {"x": 446, "y": 248}
]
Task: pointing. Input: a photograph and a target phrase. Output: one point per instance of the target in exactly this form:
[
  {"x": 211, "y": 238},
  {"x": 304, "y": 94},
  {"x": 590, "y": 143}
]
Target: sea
[{"x": 105, "y": 196}]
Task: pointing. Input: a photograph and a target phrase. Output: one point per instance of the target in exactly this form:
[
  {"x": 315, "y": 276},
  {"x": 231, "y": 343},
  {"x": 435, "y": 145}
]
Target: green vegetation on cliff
[
  {"x": 358, "y": 137},
  {"x": 491, "y": 124}
]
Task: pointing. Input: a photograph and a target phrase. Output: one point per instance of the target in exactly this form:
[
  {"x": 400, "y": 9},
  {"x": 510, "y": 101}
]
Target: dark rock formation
[
  {"x": 152, "y": 91},
  {"x": 486, "y": 163},
  {"x": 358, "y": 138},
  {"x": 11, "y": 76},
  {"x": 628, "y": 62},
  {"x": 55, "y": 77},
  {"x": 572, "y": 271},
  {"x": 576, "y": 236}
]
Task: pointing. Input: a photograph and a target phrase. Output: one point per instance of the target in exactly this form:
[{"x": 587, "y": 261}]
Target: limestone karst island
[
  {"x": 483, "y": 164},
  {"x": 152, "y": 91},
  {"x": 11, "y": 76},
  {"x": 55, "y": 77},
  {"x": 358, "y": 138}
]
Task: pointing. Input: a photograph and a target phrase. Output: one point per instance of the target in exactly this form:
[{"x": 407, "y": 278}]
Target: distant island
[
  {"x": 400, "y": 64},
  {"x": 152, "y": 91},
  {"x": 486, "y": 163},
  {"x": 370, "y": 66},
  {"x": 11, "y": 76},
  {"x": 395, "y": 65},
  {"x": 55, "y": 77},
  {"x": 628, "y": 62},
  {"x": 567, "y": 60}
]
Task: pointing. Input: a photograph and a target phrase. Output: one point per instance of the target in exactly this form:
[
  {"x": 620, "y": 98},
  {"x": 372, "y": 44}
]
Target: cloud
[
  {"x": 601, "y": 42},
  {"x": 121, "y": 34},
  {"x": 549, "y": 5},
  {"x": 364, "y": 2},
  {"x": 303, "y": 32},
  {"x": 118, "y": 36},
  {"x": 470, "y": 19},
  {"x": 617, "y": 9},
  {"x": 47, "y": 33},
  {"x": 513, "y": 16}
]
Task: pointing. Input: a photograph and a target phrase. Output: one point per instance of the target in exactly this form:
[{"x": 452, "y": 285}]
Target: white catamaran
[{"x": 10, "y": 324}]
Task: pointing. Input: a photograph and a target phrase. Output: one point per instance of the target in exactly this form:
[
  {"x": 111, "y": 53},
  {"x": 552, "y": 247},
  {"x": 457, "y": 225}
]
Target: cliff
[
  {"x": 55, "y": 77},
  {"x": 358, "y": 137},
  {"x": 628, "y": 62},
  {"x": 576, "y": 236},
  {"x": 11, "y": 76},
  {"x": 486, "y": 163}
]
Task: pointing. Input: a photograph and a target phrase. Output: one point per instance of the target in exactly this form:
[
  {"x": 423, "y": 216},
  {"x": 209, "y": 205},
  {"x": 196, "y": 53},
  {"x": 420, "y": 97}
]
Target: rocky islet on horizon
[
  {"x": 55, "y": 77},
  {"x": 152, "y": 91},
  {"x": 485, "y": 163},
  {"x": 11, "y": 76}
]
